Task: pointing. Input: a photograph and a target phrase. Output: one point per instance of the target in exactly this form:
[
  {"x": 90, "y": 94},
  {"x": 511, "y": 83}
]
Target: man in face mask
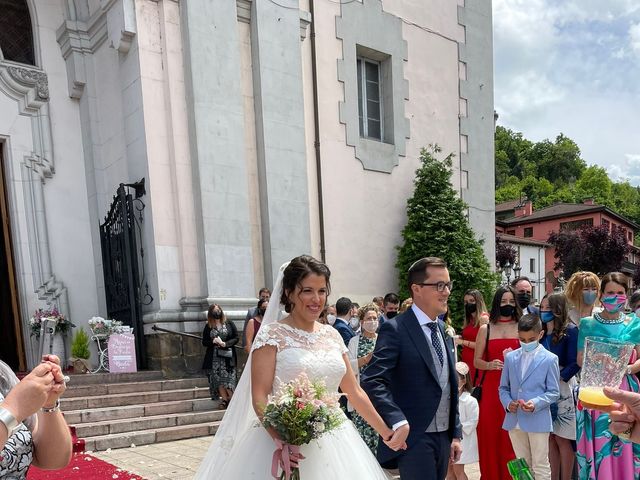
[
  {"x": 390, "y": 306},
  {"x": 523, "y": 288}
]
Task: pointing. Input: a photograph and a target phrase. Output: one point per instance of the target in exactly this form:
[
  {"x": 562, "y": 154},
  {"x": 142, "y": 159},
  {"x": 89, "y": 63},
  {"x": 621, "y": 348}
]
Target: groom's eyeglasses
[{"x": 440, "y": 286}]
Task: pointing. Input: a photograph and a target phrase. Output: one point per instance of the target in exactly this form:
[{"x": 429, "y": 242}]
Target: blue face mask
[
  {"x": 589, "y": 297},
  {"x": 529, "y": 347},
  {"x": 546, "y": 317}
]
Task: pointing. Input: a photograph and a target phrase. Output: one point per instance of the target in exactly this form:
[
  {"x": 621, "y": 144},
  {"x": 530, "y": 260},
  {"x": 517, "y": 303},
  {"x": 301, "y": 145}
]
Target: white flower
[
  {"x": 318, "y": 427},
  {"x": 450, "y": 331}
]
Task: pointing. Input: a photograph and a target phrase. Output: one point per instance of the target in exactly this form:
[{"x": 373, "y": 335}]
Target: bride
[{"x": 283, "y": 349}]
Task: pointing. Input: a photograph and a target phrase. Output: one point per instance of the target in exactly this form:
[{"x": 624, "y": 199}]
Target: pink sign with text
[{"x": 122, "y": 353}]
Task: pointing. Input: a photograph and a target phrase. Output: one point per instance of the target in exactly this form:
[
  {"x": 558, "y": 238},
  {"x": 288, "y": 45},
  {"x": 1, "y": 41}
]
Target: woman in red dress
[
  {"x": 475, "y": 314},
  {"x": 494, "y": 445}
]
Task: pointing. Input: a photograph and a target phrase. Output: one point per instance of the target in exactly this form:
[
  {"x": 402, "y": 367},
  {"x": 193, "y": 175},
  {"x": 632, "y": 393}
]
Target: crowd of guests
[{"x": 518, "y": 371}]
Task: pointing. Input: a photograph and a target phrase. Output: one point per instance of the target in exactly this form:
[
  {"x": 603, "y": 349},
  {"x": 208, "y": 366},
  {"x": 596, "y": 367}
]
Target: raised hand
[
  {"x": 31, "y": 393},
  {"x": 624, "y": 413}
]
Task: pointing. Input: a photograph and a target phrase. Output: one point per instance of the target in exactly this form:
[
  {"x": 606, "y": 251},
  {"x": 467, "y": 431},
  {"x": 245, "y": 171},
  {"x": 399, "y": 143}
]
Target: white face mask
[
  {"x": 354, "y": 322},
  {"x": 370, "y": 326},
  {"x": 331, "y": 319}
]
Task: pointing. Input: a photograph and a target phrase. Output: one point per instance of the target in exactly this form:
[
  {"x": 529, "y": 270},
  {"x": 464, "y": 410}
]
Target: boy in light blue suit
[{"x": 528, "y": 386}]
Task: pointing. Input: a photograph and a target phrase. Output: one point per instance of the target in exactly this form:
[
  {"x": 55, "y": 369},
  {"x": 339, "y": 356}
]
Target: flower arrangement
[
  {"x": 299, "y": 411},
  {"x": 62, "y": 324},
  {"x": 101, "y": 326}
]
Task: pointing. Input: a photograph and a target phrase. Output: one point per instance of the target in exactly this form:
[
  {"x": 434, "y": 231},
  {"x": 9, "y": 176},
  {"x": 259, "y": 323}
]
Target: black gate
[{"x": 120, "y": 263}]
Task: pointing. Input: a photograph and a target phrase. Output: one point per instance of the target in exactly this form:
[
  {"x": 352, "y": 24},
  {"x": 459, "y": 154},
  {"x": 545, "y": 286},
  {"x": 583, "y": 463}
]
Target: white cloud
[
  {"x": 627, "y": 170},
  {"x": 571, "y": 67},
  {"x": 634, "y": 37}
]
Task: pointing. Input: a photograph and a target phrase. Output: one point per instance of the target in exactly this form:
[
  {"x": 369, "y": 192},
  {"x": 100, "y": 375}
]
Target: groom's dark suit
[{"x": 403, "y": 385}]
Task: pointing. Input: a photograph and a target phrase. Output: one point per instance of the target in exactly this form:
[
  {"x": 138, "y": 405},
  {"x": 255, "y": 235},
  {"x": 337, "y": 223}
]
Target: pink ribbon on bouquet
[{"x": 282, "y": 457}]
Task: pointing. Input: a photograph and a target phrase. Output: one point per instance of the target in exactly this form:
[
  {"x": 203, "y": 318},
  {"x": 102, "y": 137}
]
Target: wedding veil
[{"x": 240, "y": 415}]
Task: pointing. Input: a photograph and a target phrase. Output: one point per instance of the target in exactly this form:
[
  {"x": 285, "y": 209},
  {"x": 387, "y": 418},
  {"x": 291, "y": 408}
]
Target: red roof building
[{"x": 537, "y": 225}]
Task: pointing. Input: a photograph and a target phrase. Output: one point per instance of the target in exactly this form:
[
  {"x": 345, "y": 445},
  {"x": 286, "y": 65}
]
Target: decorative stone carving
[{"x": 31, "y": 78}]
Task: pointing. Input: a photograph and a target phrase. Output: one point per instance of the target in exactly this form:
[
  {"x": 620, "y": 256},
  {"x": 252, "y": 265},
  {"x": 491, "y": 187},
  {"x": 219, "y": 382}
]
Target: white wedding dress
[{"x": 338, "y": 454}]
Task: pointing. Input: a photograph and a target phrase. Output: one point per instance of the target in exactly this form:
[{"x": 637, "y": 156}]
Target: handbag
[
  {"x": 224, "y": 353},
  {"x": 477, "y": 389}
]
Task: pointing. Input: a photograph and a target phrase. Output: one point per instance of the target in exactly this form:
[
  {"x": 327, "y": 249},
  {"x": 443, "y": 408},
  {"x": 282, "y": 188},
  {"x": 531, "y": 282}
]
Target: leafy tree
[
  {"x": 505, "y": 253},
  {"x": 595, "y": 183},
  {"x": 595, "y": 249},
  {"x": 437, "y": 226},
  {"x": 559, "y": 162}
]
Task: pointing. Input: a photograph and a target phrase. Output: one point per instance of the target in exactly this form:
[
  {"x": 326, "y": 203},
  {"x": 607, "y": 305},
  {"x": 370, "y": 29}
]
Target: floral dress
[
  {"x": 17, "y": 454},
  {"x": 223, "y": 369},
  {"x": 366, "y": 431},
  {"x": 602, "y": 455}
]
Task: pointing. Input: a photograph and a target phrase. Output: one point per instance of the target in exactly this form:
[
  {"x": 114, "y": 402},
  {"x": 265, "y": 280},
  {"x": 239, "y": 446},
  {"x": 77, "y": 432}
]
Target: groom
[{"x": 412, "y": 381}]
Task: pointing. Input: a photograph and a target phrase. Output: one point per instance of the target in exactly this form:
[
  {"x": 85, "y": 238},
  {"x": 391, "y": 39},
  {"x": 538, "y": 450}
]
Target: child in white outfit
[{"x": 469, "y": 413}]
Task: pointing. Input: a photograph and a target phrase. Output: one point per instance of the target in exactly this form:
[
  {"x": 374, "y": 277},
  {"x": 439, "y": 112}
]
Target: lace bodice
[{"x": 318, "y": 354}]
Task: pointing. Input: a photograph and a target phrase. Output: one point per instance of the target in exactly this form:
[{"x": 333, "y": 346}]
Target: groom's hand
[
  {"x": 456, "y": 450},
  {"x": 399, "y": 439}
]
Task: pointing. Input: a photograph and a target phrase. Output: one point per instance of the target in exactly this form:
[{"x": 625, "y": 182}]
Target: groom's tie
[{"x": 435, "y": 341}]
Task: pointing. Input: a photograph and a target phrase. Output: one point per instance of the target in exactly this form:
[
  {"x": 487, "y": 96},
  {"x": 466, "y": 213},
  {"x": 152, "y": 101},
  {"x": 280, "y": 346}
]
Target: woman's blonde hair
[
  {"x": 369, "y": 307},
  {"x": 578, "y": 281},
  {"x": 405, "y": 305}
]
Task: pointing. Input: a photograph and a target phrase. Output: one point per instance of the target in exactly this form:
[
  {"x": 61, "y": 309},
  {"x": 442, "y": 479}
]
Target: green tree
[
  {"x": 559, "y": 162},
  {"x": 595, "y": 183},
  {"x": 437, "y": 226},
  {"x": 512, "y": 155}
]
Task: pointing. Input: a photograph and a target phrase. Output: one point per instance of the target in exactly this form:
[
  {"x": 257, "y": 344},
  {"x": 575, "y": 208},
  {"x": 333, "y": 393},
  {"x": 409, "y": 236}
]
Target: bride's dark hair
[{"x": 297, "y": 270}]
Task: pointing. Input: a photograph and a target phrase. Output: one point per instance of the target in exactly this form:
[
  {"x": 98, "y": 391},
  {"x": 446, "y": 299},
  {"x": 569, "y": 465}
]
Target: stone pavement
[{"x": 178, "y": 460}]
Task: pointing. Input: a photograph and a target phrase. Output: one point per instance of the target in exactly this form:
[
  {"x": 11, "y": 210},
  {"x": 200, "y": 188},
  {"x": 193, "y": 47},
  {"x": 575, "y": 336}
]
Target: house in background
[
  {"x": 537, "y": 225},
  {"x": 530, "y": 262}
]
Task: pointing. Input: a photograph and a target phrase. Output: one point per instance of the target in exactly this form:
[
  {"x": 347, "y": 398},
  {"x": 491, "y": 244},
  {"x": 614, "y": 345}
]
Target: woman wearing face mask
[
  {"x": 502, "y": 332},
  {"x": 475, "y": 315},
  {"x": 582, "y": 293},
  {"x": 561, "y": 338},
  {"x": 600, "y": 455},
  {"x": 254, "y": 324},
  {"x": 220, "y": 337},
  {"x": 360, "y": 351}
]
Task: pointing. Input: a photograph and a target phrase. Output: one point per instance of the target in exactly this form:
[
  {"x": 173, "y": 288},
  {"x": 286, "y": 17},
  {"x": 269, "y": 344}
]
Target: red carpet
[{"x": 83, "y": 467}]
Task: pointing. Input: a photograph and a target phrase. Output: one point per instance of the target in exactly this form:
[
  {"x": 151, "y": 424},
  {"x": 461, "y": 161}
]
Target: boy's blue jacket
[{"x": 540, "y": 383}]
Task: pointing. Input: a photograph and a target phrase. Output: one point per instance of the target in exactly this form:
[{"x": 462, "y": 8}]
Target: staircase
[{"x": 118, "y": 410}]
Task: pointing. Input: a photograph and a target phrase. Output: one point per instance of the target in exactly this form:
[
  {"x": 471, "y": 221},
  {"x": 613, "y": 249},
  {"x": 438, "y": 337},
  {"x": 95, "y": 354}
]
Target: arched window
[{"x": 16, "y": 33}]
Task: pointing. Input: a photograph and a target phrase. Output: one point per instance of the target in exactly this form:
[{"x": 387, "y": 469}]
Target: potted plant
[{"x": 80, "y": 352}]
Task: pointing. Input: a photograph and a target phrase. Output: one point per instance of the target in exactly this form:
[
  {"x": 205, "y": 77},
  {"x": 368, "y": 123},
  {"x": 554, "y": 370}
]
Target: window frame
[{"x": 361, "y": 75}]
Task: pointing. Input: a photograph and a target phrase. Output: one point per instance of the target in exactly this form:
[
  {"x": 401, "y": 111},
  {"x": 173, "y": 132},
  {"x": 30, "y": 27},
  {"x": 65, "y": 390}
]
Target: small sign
[{"x": 122, "y": 353}]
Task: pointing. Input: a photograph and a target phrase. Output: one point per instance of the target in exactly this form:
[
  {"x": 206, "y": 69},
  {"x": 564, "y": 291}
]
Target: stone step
[
  {"x": 109, "y": 427},
  {"x": 75, "y": 391},
  {"x": 76, "y": 417},
  {"x": 104, "y": 378},
  {"x": 145, "y": 437},
  {"x": 134, "y": 398}
]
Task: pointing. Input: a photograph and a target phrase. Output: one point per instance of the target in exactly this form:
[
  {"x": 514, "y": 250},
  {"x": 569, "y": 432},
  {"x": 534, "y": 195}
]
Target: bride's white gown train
[{"x": 336, "y": 455}]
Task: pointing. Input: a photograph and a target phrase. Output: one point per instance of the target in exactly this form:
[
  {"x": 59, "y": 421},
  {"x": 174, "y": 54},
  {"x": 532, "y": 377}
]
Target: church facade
[{"x": 238, "y": 134}]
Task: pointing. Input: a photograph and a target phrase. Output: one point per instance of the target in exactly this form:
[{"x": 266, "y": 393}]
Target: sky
[{"x": 572, "y": 67}]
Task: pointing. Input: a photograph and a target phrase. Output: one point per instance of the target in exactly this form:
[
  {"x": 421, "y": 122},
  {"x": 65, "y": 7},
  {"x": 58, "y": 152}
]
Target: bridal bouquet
[{"x": 299, "y": 411}]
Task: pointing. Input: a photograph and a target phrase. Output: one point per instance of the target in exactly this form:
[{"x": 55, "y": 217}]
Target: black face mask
[
  {"x": 523, "y": 299},
  {"x": 391, "y": 314},
  {"x": 507, "y": 310},
  {"x": 470, "y": 308},
  {"x": 216, "y": 315}
]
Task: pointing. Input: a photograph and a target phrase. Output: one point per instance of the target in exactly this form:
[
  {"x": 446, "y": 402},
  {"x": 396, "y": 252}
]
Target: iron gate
[{"x": 120, "y": 264}]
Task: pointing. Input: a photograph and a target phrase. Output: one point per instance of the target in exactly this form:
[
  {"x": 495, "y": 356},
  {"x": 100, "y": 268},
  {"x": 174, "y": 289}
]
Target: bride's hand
[{"x": 398, "y": 440}]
